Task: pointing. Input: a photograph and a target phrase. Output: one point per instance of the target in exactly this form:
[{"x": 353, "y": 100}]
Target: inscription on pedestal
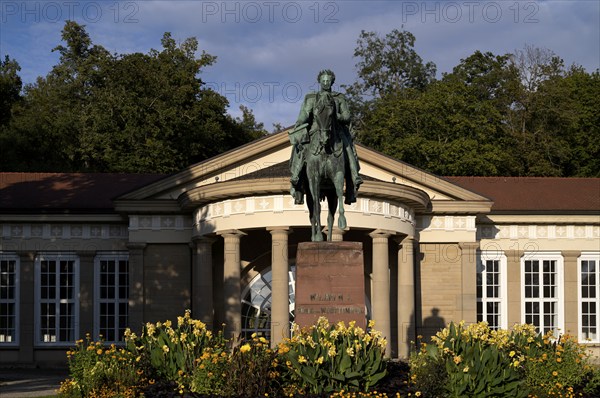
[{"x": 330, "y": 283}]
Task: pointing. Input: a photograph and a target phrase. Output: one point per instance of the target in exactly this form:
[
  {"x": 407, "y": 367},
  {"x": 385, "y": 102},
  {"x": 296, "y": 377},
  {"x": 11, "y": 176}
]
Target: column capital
[
  {"x": 570, "y": 254},
  {"x": 136, "y": 245},
  {"x": 404, "y": 239},
  {"x": 468, "y": 245},
  {"x": 85, "y": 253},
  {"x": 231, "y": 232},
  {"x": 279, "y": 230},
  {"x": 204, "y": 239},
  {"x": 381, "y": 233}
]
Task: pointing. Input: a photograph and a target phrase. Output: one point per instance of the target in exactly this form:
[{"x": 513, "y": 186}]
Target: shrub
[
  {"x": 326, "y": 358},
  {"x": 210, "y": 374},
  {"x": 253, "y": 369},
  {"x": 171, "y": 352},
  {"x": 479, "y": 362},
  {"x": 474, "y": 366},
  {"x": 558, "y": 368},
  {"x": 98, "y": 370}
]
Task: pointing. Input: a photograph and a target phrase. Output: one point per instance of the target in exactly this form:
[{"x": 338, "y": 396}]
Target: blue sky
[{"x": 269, "y": 52}]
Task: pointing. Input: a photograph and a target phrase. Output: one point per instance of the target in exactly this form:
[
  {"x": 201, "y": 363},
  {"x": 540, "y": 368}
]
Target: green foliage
[
  {"x": 475, "y": 368},
  {"x": 519, "y": 114},
  {"x": 559, "y": 368},
  {"x": 326, "y": 358},
  {"x": 10, "y": 87},
  {"x": 210, "y": 373},
  {"x": 100, "y": 371},
  {"x": 96, "y": 111},
  {"x": 252, "y": 370},
  {"x": 171, "y": 352},
  {"x": 476, "y": 361}
]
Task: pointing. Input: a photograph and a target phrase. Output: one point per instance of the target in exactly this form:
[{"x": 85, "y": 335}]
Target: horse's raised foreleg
[
  {"x": 339, "y": 191},
  {"x": 332, "y": 204},
  {"x": 315, "y": 219}
]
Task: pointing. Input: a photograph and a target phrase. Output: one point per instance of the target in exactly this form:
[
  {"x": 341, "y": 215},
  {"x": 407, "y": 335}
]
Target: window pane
[{"x": 114, "y": 297}]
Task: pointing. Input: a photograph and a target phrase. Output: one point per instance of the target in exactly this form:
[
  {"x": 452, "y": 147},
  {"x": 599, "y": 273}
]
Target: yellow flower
[
  {"x": 512, "y": 354},
  {"x": 555, "y": 373},
  {"x": 245, "y": 348},
  {"x": 319, "y": 360},
  {"x": 418, "y": 394},
  {"x": 558, "y": 360},
  {"x": 99, "y": 352},
  {"x": 301, "y": 359},
  {"x": 165, "y": 348},
  {"x": 457, "y": 359}
]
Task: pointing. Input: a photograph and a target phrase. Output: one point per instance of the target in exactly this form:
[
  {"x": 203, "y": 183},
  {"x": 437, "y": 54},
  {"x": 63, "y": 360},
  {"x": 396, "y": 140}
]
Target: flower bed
[{"x": 338, "y": 360}]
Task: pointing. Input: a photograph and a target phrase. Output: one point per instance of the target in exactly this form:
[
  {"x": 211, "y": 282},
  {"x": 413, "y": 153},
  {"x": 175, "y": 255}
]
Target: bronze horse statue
[
  {"x": 323, "y": 156},
  {"x": 323, "y": 178}
]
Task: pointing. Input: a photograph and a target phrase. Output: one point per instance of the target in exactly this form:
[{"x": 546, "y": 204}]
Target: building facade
[{"x": 98, "y": 253}]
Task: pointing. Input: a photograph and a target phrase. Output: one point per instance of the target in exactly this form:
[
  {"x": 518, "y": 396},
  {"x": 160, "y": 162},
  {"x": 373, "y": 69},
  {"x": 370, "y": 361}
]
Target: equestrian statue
[{"x": 323, "y": 156}]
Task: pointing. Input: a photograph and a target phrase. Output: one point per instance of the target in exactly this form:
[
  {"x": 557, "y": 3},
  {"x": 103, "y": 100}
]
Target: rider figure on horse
[{"x": 324, "y": 114}]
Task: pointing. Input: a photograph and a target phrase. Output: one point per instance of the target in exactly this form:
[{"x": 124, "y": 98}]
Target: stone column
[
  {"x": 381, "y": 285},
  {"x": 513, "y": 278},
  {"x": 570, "y": 289},
  {"x": 27, "y": 332},
  {"x": 202, "y": 281},
  {"x": 280, "y": 319},
  {"x": 136, "y": 286},
  {"x": 231, "y": 282},
  {"x": 468, "y": 256},
  {"x": 86, "y": 292},
  {"x": 406, "y": 296}
]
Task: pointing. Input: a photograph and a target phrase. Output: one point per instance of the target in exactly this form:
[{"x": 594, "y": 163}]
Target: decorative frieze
[
  {"x": 538, "y": 232},
  {"x": 162, "y": 223},
  {"x": 284, "y": 203},
  {"x": 446, "y": 223},
  {"x": 62, "y": 231}
]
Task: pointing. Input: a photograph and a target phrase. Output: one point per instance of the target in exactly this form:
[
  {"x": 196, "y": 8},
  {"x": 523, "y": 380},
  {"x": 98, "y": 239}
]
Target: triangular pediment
[{"x": 237, "y": 167}]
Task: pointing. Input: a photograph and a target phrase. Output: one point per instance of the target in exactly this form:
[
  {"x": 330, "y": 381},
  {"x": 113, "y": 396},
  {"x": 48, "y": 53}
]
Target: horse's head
[{"x": 324, "y": 115}]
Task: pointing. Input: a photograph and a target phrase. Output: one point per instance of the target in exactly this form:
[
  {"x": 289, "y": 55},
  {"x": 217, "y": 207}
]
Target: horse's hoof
[{"x": 342, "y": 222}]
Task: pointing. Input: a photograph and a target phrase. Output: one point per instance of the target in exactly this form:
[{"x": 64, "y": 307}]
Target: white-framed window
[
  {"x": 56, "y": 298},
  {"x": 542, "y": 302},
  {"x": 492, "y": 288},
  {"x": 588, "y": 281},
  {"x": 111, "y": 301},
  {"x": 9, "y": 299}
]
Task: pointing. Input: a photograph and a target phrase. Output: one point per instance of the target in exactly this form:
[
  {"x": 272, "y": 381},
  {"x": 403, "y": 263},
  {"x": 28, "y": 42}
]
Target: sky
[{"x": 270, "y": 52}]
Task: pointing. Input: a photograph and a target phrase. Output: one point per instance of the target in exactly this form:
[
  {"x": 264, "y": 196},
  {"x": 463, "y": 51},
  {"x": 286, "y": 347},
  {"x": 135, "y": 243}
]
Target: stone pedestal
[{"x": 330, "y": 283}]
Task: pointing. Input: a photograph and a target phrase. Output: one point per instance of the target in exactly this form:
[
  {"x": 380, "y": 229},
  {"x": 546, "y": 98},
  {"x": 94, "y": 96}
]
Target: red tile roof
[
  {"x": 94, "y": 192},
  {"x": 66, "y": 192},
  {"x": 536, "y": 194}
]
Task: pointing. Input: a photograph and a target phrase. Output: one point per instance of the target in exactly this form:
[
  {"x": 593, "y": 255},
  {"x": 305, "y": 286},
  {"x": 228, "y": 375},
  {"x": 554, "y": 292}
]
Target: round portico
[{"x": 233, "y": 222}]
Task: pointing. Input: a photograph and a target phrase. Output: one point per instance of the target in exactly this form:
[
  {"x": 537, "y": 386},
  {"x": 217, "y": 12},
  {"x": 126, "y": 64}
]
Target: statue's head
[{"x": 328, "y": 72}]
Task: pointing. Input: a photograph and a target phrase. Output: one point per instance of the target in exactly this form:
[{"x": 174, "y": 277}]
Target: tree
[
  {"x": 10, "y": 88},
  {"x": 386, "y": 65},
  {"x": 513, "y": 114},
  {"x": 125, "y": 113}
]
